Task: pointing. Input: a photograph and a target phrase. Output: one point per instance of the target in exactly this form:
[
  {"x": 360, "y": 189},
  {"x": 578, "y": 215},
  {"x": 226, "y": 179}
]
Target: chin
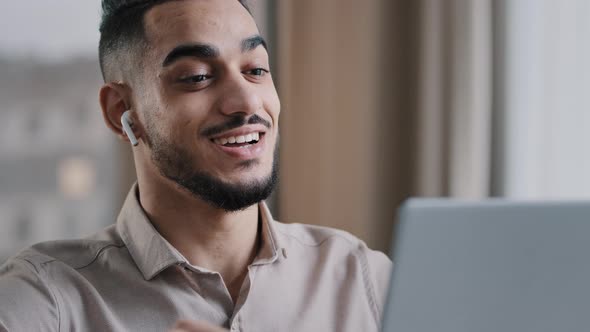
[
  {"x": 234, "y": 193},
  {"x": 245, "y": 178}
]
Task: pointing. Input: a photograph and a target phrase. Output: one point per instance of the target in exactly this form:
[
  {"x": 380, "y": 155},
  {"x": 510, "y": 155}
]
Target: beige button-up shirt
[{"x": 129, "y": 278}]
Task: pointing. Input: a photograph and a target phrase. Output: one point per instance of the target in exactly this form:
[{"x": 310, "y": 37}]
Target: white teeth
[{"x": 253, "y": 137}]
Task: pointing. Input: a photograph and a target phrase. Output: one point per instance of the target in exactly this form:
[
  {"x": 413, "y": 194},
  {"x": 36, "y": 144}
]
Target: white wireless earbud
[{"x": 126, "y": 123}]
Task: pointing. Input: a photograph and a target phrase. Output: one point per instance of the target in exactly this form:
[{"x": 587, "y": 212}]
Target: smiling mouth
[{"x": 239, "y": 140}]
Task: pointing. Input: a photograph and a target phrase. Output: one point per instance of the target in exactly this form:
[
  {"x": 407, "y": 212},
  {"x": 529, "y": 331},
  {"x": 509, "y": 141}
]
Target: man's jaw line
[{"x": 252, "y": 183}]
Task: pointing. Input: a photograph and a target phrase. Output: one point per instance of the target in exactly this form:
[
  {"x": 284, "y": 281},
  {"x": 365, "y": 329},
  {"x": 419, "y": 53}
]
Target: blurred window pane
[
  {"x": 59, "y": 169},
  {"x": 547, "y": 104}
]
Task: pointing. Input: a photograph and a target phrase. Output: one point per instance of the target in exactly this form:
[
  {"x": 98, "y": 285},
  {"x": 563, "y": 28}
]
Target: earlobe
[{"x": 114, "y": 101}]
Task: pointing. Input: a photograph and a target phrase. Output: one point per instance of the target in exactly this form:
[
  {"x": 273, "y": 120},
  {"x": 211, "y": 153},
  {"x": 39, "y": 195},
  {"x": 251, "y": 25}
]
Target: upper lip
[{"x": 244, "y": 130}]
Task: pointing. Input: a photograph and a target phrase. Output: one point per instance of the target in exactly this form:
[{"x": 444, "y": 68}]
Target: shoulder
[
  {"x": 29, "y": 280},
  {"x": 339, "y": 243},
  {"x": 315, "y": 236},
  {"x": 72, "y": 253},
  {"x": 336, "y": 247},
  {"x": 24, "y": 290},
  {"x": 321, "y": 236}
]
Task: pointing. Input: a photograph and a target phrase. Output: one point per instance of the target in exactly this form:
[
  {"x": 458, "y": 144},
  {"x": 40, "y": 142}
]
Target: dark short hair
[{"x": 122, "y": 31}]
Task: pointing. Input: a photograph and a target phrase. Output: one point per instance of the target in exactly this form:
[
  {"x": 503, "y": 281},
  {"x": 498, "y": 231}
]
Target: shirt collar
[
  {"x": 153, "y": 254},
  {"x": 269, "y": 246}
]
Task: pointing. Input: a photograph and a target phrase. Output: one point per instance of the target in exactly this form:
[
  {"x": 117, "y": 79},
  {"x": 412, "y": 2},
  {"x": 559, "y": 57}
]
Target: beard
[{"x": 176, "y": 164}]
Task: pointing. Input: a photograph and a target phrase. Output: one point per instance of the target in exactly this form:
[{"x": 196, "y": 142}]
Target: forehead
[{"x": 223, "y": 23}]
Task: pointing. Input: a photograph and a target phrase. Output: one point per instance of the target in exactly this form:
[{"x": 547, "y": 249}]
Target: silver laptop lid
[{"x": 490, "y": 266}]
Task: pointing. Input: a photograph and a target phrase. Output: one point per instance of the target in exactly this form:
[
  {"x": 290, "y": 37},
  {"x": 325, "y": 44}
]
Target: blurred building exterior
[{"x": 57, "y": 163}]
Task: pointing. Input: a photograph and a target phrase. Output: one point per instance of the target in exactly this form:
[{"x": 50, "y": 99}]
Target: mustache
[{"x": 233, "y": 123}]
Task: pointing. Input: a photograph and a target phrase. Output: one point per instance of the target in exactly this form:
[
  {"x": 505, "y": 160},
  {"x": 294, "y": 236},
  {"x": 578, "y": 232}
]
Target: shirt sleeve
[
  {"x": 26, "y": 301},
  {"x": 380, "y": 267}
]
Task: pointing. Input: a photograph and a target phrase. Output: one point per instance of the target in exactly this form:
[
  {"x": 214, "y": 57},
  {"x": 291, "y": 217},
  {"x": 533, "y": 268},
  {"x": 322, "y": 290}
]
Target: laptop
[{"x": 490, "y": 266}]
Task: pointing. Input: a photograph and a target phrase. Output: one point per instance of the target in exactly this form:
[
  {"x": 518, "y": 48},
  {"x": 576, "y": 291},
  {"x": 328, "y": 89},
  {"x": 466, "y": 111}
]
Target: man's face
[{"x": 209, "y": 104}]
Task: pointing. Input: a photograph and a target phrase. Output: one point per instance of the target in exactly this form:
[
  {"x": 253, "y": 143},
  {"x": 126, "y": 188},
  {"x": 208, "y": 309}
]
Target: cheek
[
  {"x": 186, "y": 117},
  {"x": 272, "y": 104}
]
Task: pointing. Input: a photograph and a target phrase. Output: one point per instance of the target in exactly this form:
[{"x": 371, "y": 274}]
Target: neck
[{"x": 225, "y": 242}]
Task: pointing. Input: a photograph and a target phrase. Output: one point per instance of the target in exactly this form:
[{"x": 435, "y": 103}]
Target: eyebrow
[
  {"x": 202, "y": 51},
  {"x": 206, "y": 51},
  {"x": 249, "y": 44}
]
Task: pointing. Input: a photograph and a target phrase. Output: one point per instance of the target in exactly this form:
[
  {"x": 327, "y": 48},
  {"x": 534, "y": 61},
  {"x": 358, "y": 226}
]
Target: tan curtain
[
  {"x": 454, "y": 98},
  {"x": 381, "y": 100}
]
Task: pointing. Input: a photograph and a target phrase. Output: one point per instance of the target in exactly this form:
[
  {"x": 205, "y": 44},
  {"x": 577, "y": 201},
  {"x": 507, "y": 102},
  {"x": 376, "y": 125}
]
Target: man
[{"x": 194, "y": 239}]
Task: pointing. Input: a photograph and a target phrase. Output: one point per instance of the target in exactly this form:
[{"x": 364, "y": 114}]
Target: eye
[
  {"x": 257, "y": 72},
  {"x": 195, "y": 79}
]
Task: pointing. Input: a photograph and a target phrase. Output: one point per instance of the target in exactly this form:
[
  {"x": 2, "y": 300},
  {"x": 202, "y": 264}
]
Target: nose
[{"x": 239, "y": 97}]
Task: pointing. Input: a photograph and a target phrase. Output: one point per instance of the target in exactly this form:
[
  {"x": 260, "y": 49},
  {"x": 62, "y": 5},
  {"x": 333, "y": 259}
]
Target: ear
[{"x": 115, "y": 99}]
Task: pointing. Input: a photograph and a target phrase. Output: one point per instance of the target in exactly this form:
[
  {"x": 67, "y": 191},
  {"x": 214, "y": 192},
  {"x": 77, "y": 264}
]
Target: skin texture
[{"x": 176, "y": 105}]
